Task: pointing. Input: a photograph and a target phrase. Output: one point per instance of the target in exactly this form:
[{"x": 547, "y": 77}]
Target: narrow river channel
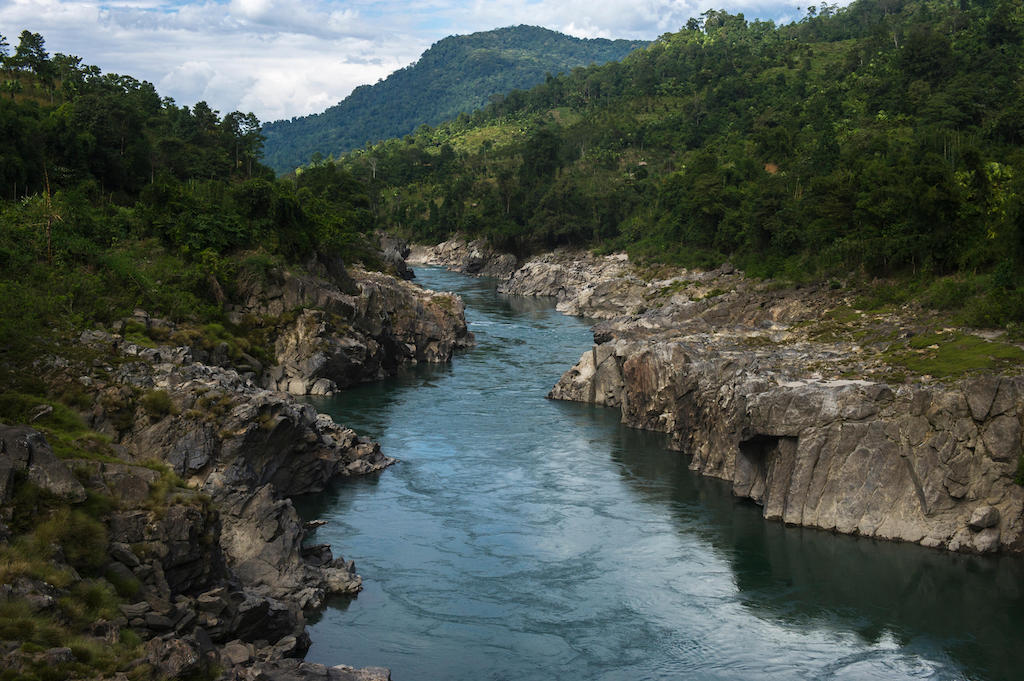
[{"x": 522, "y": 539}]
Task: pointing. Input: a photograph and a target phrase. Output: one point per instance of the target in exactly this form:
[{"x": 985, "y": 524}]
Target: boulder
[
  {"x": 983, "y": 517},
  {"x": 24, "y": 451}
]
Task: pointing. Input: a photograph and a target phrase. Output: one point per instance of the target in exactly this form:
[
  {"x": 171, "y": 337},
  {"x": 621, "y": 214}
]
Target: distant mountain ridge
[{"x": 457, "y": 74}]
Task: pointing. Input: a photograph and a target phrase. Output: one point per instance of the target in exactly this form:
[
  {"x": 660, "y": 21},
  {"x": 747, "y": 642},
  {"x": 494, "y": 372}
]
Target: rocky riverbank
[
  {"x": 822, "y": 413},
  {"x": 185, "y": 456}
]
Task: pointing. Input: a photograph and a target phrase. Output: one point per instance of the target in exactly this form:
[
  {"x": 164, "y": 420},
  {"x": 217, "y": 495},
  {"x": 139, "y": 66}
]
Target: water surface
[{"x": 526, "y": 539}]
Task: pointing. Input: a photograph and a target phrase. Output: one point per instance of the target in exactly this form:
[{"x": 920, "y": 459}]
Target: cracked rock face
[
  {"x": 915, "y": 463},
  {"x": 344, "y": 336},
  {"x": 473, "y": 257},
  {"x": 713, "y": 360}
]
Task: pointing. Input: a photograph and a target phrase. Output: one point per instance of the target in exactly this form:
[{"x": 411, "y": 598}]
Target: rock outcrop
[
  {"x": 910, "y": 462},
  {"x": 226, "y": 558},
  {"x": 246, "y": 447},
  {"x": 24, "y": 452},
  {"x": 795, "y": 422},
  {"x": 756, "y": 385},
  {"x": 329, "y": 336},
  {"x": 584, "y": 285},
  {"x": 395, "y": 251},
  {"x": 200, "y": 448},
  {"x": 473, "y": 257}
]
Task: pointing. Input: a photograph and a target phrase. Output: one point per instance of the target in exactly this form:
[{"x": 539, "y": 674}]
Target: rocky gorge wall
[
  {"x": 206, "y": 448},
  {"x": 340, "y": 334},
  {"x": 754, "y": 384}
]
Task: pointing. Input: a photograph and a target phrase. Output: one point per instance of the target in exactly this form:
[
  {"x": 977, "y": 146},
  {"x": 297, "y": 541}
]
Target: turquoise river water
[{"x": 523, "y": 539}]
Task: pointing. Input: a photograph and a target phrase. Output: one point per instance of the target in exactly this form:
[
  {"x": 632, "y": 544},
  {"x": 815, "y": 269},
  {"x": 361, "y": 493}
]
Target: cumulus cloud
[{"x": 281, "y": 58}]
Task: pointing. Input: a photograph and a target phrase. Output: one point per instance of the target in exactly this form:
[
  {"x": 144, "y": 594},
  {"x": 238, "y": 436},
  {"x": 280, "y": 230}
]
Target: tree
[
  {"x": 31, "y": 54},
  {"x": 243, "y": 131},
  {"x": 12, "y": 87}
]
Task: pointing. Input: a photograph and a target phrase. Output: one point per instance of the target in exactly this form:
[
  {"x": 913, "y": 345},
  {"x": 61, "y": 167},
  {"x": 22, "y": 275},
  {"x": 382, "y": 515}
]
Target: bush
[
  {"x": 947, "y": 294},
  {"x": 157, "y": 403},
  {"x": 82, "y": 539},
  {"x": 124, "y": 586}
]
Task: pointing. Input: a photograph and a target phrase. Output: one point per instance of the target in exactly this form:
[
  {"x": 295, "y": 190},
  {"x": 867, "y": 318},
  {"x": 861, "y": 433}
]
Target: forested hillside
[
  {"x": 458, "y": 74},
  {"x": 112, "y": 198},
  {"x": 883, "y": 138}
]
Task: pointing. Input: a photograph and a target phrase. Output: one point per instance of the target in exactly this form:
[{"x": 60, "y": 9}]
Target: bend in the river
[{"x": 521, "y": 538}]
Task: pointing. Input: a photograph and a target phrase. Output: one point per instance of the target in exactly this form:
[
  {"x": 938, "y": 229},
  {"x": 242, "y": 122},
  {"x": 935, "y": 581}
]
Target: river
[{"x": 521, "y": 539}]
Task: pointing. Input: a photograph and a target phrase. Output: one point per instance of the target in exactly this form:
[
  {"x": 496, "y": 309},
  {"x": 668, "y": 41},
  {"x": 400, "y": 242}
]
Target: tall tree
[{"x": 31, "y": 53}]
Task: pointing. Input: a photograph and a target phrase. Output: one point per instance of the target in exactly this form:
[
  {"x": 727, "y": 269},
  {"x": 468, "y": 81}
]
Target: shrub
[
  {"x": 126, "y": 587},
  {"x": 947, "y": 294},
  {"x": 82, "y": 539},
  {"x": 157, "y": 403}
]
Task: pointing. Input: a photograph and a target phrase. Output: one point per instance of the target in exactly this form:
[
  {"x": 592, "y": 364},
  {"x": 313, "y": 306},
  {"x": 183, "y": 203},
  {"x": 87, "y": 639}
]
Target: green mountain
[
  {"x": 884, "y": 138},
  {"x": 458, "y": 74}
]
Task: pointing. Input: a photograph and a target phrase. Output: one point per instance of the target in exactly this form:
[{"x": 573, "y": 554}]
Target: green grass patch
[
  {"x": 126, "y": 587},
  {"x": 444, "y": 302},
  {"x": 42, "y": 413},
  {"x": 136, "y": 332},
  {"x": 158, "y": 404},
  {"x": 39, "y": 631},
  {"x": 65, "y": 430},
  {"x": 82, "y": 539},
  {"x": 884, "y": 295},
  {"x": 954, "y": 354},
  {"x": 673, "y": 288}
]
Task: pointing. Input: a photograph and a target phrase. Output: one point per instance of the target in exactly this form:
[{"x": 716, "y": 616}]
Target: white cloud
[{"x": 280, "y": 58}]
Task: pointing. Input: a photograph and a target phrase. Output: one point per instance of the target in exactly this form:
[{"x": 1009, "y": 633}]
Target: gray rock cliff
[
  {"x": 752, "y": 383},
  {"x": 332, "y": 337},
  {"x": 205, "y": 446}
]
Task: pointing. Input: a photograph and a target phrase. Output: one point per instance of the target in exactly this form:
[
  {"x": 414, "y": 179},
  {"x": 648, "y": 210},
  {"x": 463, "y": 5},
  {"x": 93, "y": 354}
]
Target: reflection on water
[{"x": 520, "y": 538}]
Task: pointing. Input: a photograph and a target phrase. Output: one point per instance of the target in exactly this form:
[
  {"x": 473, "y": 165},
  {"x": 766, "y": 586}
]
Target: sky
[{"x": 285, "y": 58}]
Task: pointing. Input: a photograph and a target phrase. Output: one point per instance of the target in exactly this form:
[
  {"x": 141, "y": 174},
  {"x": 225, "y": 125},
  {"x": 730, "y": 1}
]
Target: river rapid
[{"x": 521, "y": 538}]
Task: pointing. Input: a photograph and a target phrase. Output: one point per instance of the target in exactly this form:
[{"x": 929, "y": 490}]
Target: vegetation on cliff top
[
  {"x": 113, "y": 198},
  {"x": 883, "y": 138},
  {"x": 458, "y": 74}
]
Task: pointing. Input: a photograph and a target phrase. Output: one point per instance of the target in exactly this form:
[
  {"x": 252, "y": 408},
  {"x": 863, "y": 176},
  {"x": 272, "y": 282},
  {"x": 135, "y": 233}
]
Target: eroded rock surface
[
  {"x": 784, "y": 417},
  {"x": 332, "y": 336},
  {"x": 759, "y": 386},
  {"x": 905, "y": 462},
  {"x": 225, "y": 567}
]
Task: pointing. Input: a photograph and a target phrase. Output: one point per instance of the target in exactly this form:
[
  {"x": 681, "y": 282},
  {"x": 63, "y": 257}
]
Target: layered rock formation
[
  {"x": 760, "y": 386},
  {"x": 911, "y": 462},
  {"x": 331, "y": 335},
  {"x": 201, "y": 448},
  {"x": 474, "y": 257}
]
